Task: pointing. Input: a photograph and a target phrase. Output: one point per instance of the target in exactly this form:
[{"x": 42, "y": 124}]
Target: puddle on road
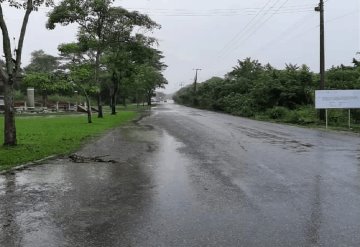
[{"x": 170, "y": 175}]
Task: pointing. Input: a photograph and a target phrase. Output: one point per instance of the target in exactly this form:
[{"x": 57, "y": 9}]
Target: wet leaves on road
[{"x": 82, "y": 159}]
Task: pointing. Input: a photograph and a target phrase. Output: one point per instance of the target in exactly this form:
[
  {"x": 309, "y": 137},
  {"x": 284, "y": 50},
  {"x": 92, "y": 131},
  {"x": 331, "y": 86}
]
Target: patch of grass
[
  {"x": 43, "y": 136},
  {"x": 307, "y": 116}
]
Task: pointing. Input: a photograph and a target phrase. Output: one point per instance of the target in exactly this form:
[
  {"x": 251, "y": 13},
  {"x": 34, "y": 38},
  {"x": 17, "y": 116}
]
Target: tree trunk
[
  {"x": 44, "y": 96},
  {"x": 113, "y": 104},
  {"x": 137, "y": 100},
  {"x": 100, "y": 110},
  {"x": 9, "y": 124},
  {"x": 111, "y": 101},
  {"x": 97, "y": 68},
  {"x": 88, "y": 108},
  {"x": 11, "y": 70},
  {"x": 114, "y": 94},
  {"x": 149, "y": 94}
]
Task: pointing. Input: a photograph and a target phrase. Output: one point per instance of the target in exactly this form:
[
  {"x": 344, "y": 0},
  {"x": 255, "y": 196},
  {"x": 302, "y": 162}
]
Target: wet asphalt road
[{"x": 185, "y": 177}]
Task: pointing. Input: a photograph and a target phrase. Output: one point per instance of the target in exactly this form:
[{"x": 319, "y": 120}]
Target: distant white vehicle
[{"x": 154, "y": 100}]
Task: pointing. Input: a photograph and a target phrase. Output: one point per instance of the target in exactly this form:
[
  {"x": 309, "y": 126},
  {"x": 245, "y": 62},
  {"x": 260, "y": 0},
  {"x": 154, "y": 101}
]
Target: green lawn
[{"x": 43, "y": 136}]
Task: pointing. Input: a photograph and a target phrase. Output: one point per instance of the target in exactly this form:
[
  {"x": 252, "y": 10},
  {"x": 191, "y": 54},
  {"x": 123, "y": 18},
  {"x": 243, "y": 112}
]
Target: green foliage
[
  {"x": 184, "y": 96},
  {"x": 34, "y": 5},
  {"x": 40, "y": 81},
  {"x": 134, "y": 68},
  {"x": 18, "y": 95},
  {"x": 148, "y": 77},
  {"x": 277, "y": 112},
  {"x": 107, "y": 41},
  {"x": 343, "y": 77},
  {"x": 42, "y": 62},
  {"x": 91, "y": 14},
  {"x": 255, "y": 90},
  {"x": 301, "y": 115},
  {"x": 44, "y": 74},
  {"x": 239, "y": 104},
  {"x": 75, "y": 97},
  {"x": 252, "y": 88}
]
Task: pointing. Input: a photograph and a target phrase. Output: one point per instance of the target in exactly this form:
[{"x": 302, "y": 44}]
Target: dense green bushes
[{"x": 255, "y": 90}]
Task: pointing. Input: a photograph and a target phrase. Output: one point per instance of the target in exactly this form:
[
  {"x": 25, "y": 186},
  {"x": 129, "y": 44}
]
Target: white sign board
[{"x": 337, "y": 99}]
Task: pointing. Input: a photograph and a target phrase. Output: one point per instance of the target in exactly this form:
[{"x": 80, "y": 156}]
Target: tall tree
[
  {"x": 122, "y": 60},
  {"x": 41, "y": 74},
  {"x": 79, "y": 71},
  {"x": 10, "y": 72},
  {"x": 98, "y": 20},
  {"x": 42, "y": 62},
  {"x": 148, "y": 79}
]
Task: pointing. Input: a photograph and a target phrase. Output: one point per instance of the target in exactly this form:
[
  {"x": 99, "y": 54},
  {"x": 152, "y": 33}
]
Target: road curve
[{"x": 187, "y": 177}]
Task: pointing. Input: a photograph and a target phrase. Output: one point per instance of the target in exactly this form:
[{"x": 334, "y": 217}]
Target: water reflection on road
[{"x": 185, "y": 177}]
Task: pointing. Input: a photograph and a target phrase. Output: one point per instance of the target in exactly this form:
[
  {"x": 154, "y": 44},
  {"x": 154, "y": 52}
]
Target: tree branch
[
  {"x": 3, "y": 75},
  {"x": 29, "y": 9},
  {"x": 6, "y": 47}
]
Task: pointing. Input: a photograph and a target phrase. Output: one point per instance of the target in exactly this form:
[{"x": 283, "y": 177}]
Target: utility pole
[
  {"x": 195, "y": 86},
  {"x": 182, "y": 84},
  {"x": 196, "y": 77},
  {"x": 320, "y": 9}
]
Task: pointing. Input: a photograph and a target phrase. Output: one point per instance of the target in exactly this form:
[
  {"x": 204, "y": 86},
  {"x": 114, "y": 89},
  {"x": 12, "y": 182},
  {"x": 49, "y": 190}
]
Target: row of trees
[
  {"x": 108, "y": 59},
  {"x": 252, "y": 88}
]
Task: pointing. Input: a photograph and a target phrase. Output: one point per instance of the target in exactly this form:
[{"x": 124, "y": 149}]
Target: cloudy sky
[{"x": 213, "y": 35}]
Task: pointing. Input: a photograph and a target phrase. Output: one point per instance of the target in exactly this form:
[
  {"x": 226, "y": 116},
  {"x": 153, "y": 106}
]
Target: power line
[
  {"x": 219, "y": 10},
  {"x": 330, "y": 20},
  {"x": 209, "y": 12},
  {"x": 223, "y": 12},
  {"x": 222, "y": 15},
  {"x": 245, "y": 28},
  {"x": 249, "y": 32},
  {"x": 342, "y": 16},
  {"x": 285, "y": 35},
  {"x": 259, "y": 26},
  {"x": 288, "y": 31},
  {"x": 250, "y": 29}
]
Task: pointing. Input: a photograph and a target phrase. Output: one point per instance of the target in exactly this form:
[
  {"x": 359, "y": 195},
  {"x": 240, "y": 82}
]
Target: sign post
[
  {"x": 326, "y": 117},
  {"x": 349, "y": 118},
  {"x": 337, "y": 99}
]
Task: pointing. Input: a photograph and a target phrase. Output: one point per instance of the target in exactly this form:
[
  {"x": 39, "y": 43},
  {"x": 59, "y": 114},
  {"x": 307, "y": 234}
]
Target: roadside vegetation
[
  {"x": 266, "y": 93},
  {"x": 110, "y": 61},
  {"x": 46, "y": 135}
]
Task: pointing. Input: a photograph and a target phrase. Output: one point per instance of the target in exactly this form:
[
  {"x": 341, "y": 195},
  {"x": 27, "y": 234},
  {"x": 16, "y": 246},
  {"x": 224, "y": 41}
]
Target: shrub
[
  {"x": 277, "y": 112},
  {"x": 238, "y": 104},
  {"x": 302, "y": 115}
]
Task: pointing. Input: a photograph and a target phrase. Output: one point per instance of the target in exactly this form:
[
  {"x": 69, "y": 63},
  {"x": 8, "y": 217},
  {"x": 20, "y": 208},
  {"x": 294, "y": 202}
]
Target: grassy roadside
[
  {"x": 307, "y": 117},
  {"x": 43, "y": 136}
]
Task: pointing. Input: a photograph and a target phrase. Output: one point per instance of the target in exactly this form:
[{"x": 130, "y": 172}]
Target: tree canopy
[
  {"x": 100, "y": 25},
  {"x": 42, "y": 62}
]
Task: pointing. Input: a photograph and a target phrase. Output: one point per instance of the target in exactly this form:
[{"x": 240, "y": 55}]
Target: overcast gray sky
[{"x": 213, "y": 35}]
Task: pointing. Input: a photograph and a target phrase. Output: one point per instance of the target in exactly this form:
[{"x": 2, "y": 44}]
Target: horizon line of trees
[{"x": 252, "y": 88}]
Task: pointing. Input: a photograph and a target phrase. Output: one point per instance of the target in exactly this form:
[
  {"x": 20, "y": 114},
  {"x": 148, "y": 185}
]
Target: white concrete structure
[{"x": 30, "y": 98}]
